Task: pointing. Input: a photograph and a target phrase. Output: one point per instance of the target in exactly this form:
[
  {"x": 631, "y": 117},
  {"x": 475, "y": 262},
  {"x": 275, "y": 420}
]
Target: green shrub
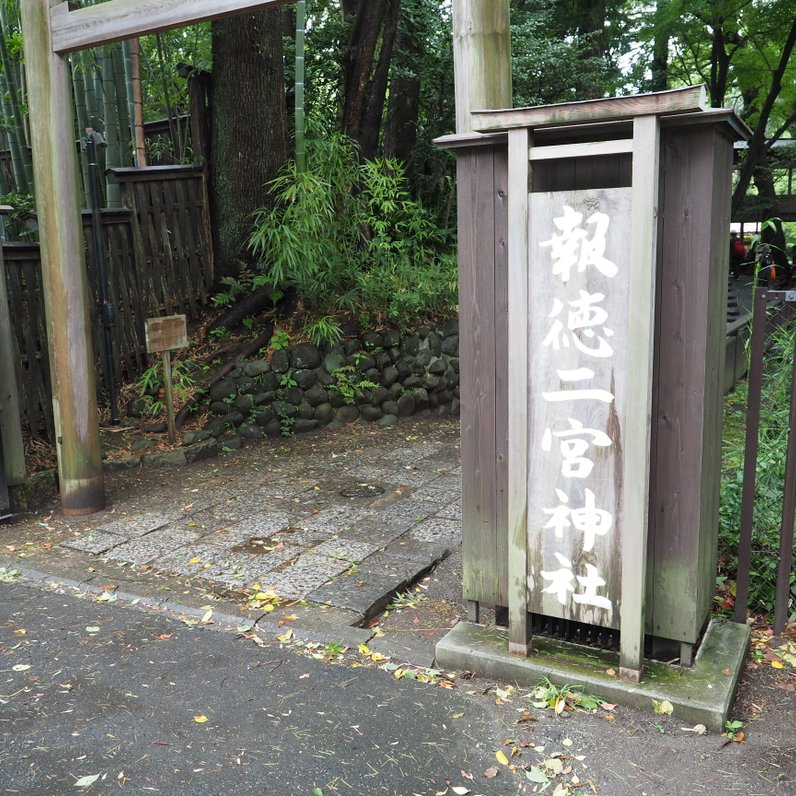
[
  {"x": 351, "y": 240},
  {"x": 769, "y": 482}
]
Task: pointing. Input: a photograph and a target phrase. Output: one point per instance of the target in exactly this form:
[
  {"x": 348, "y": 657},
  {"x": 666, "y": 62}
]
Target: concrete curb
[{"x": 701, "y": 694}]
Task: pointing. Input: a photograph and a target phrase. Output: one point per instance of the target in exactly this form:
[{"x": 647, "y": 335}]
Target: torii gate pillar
[
  {"x": 481, "y": 58},
  {"x": 66, "y": 296}
]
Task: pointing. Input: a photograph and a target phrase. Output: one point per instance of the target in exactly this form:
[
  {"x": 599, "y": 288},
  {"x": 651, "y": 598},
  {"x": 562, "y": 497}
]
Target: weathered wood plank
[
  {"x": 687, "y": 410},
  {"x": 682, "y": 100},
  {"x": 13, "y": 456},
  {"x": 636, "y": 466},
  {"x": 584, "y": 150},
  {"x": 125, "y": 19},
  {"x": 518, "y": 309},
  {"x": 502, "y": 365},
  {"x": 475, "y": 185},
  {"x": 23, "y": 272}
]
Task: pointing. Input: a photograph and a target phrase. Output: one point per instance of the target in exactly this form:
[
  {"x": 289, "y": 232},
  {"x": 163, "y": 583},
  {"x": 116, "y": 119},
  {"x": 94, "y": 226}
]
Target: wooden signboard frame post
[{"x": 51, "y": 31}]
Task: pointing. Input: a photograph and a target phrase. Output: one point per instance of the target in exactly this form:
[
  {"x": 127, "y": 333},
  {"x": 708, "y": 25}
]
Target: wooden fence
[{"x": 159, "y": 262}]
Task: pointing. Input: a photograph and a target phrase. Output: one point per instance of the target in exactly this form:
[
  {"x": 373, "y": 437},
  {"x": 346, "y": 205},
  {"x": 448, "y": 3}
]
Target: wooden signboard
[
  {"x": 580, "y": 312},
  {"x": 166, "y": 334},
  {"x": 579, "y": 383}
]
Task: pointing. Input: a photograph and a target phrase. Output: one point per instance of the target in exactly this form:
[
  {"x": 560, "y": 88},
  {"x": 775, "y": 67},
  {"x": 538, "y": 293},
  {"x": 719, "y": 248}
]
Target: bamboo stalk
[
  {"x": 166, "y": 101},
  {"x": 122, "y": 106},
  {"x": 81, "y": 111},
  {"x": 138, "y": 103},
  {"x": 301, "y": 21},
  {"x": 111, "y": 132},
  {"x": 19, "y": 151}
]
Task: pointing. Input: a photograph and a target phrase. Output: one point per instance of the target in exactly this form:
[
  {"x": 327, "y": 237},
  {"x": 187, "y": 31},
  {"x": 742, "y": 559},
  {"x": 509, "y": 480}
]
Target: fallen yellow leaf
[
  {"x": 501, "y": 757},
  {"x": 200, "y": 719}
]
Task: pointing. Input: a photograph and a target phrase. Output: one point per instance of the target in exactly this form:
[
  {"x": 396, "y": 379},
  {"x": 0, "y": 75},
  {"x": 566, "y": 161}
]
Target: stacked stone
[{"x": 302, "y": 388}]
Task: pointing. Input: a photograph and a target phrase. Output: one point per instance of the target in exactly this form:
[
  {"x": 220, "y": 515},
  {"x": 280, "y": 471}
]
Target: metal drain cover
[{"x": 362, "y": 490}]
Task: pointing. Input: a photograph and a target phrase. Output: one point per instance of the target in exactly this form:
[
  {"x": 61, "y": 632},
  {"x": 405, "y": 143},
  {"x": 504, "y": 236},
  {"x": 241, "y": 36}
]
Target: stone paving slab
[
  {"x": 373, "y": 530},
  {"x": 420, "y": 552},
  {"x": 369, "y": 588},
  {"x": 256, "y": 526},
  {"x": 345, "y": 549},
  {"x": 138, "y": 524},
  {"x": 95, "y": 542},
  {"x": 436, "y": 529},
  {"x": 227, "y": 567},
  {"x": 304, "y": 576},
  {"x": 453, "y": 511},
  {"x": 152, "y": 547}
]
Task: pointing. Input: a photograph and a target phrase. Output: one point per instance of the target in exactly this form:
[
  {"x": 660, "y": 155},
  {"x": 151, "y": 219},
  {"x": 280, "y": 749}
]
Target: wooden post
[
  {"x": 13, "y": 449},
  {"x": 169, "y": 388},
  {"x": 635, "y": 475},
  {"x": 481, "y": 57},
  {"x": 519, "y": 618},
  {"x": 64, "y": 279}
]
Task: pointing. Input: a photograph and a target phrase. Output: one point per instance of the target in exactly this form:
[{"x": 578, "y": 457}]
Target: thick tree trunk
[
  {"x": 248, "y": 128},
  {"x": 660, "y": 56},
  {"x": 591, "y": 25},
  {"x": 400, "y": 135},
  {"x": 366, "y": 64}
]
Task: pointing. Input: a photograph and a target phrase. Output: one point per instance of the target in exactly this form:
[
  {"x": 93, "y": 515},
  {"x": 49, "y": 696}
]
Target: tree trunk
[
  {"x": 591, "y": 25},
  {"x": 660, "y": 56},
  {"x": 366, "y": 64},
  {"x": 248, "y": 128},
  {"x": 400, "y": 135}
]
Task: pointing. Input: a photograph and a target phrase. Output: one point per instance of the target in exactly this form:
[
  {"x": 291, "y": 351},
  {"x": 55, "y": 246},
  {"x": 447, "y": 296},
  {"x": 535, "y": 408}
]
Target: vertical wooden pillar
[
  {"x": 635, "y": 465},
  {"x": 64, "y": 278},
  {"x": 481, "y": 57},
  {"x": 13, "y": 450},
  {"x": 519, "y": 176}
]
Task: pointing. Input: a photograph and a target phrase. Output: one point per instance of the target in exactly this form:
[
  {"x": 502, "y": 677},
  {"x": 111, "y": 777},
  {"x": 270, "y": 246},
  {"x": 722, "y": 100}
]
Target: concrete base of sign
[{"x": 701, "y": 694}]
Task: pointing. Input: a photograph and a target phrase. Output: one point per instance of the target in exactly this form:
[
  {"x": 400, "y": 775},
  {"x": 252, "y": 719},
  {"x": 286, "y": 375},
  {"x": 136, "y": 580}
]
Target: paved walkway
[{"x": 338, "y": 522}]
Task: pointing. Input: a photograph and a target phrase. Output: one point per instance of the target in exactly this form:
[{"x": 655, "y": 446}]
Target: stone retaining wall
[{"x": 379, "y": 377}]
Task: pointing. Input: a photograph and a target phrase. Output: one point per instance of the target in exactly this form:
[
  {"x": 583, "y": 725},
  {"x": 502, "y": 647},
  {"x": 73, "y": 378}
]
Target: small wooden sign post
[{"x": 164, "y": 335}]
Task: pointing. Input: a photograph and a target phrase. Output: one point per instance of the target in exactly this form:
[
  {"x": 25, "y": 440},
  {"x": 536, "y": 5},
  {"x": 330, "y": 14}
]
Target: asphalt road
[{"x": 89, "y": 689}]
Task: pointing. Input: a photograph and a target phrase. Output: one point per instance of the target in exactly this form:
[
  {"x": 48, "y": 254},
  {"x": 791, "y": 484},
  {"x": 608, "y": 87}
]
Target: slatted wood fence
[{"x": 159, "y": 259}]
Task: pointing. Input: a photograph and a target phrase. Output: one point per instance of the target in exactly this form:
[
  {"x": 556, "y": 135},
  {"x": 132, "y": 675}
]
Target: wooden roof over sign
[
  {"x": 124, "y": 19},
  {"x": 681, "y": 100}
]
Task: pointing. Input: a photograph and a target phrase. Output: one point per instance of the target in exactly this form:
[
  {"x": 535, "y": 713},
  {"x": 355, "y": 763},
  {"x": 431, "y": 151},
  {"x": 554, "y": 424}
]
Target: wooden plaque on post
[{"x": 164, "y": 335}]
